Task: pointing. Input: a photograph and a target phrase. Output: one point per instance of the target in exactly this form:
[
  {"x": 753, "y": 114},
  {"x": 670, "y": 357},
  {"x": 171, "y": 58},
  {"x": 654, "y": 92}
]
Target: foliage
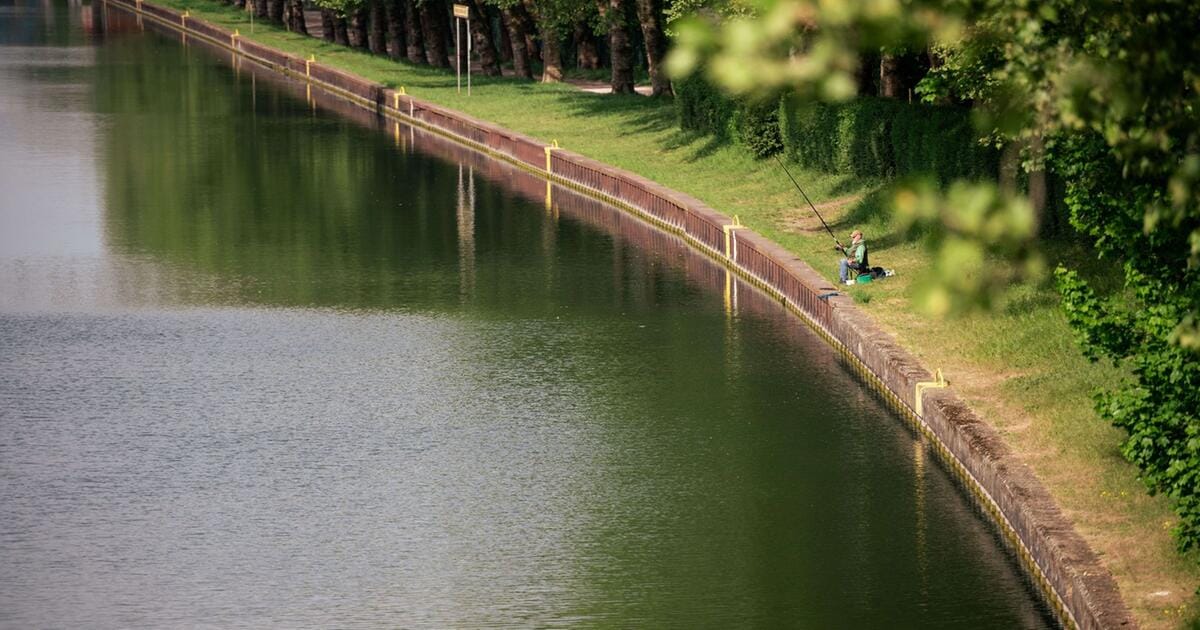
[
  {"x": 341, "y": 7},
  {"x": 757, "y": 127},
  {"x": 703, "y": 108},
  {"x": 873, "y": 137},
  {"x": 1138, "y": 327},
  {"x": 940, "y": 141},
  {"x": 1112, "y": 90},
  {"x": 752, "y": 124},
  {"x": 953, "y": 225}
]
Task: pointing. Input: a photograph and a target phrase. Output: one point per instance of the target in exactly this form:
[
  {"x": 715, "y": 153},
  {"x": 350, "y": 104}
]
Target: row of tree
[{"x": 525, "y": 33}]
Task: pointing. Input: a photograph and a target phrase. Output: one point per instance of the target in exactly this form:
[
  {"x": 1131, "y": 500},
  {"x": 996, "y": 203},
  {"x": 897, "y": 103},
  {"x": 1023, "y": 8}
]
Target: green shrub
[
  {"x": 864, "y": 145},
  {"x": 942, "y": 142},
  {"x": 703, "y": 108},
  {"x": 873, "y": 137},
  {"x": 757, "y": 128}
]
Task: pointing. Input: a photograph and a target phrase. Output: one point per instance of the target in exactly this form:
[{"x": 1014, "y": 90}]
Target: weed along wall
[{"x": 1079, "y": 589}]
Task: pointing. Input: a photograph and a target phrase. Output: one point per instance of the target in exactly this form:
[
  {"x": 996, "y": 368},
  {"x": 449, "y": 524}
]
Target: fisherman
[{"x": 855, "y": 258}]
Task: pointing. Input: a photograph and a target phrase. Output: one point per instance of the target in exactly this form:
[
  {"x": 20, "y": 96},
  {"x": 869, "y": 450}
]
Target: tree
[
  {"x": 376, "y": 27},
  {"x": 482, "y": 42},
  {"x": 358, "y": 19},
  {"x": 397, "y": 40},
  {"x": 515, "y": 26},
  {"x": 553, "y": 19},
  {"x": 587, "y": 55},
  {"x": 614, "y": 15},
  {"x": 504, "y": 46},
  {"x": 1111, "y": 91},
  {"x": 890, "y": 83},
  {"x": 293, "y": 16},
  {"x": 433, "y": 29},
  {"x": 415, "y": 36},
  {"x": 328, "y": 26},
  {"x": 651, "y": 19},
  {"x": 334, "y": 25}
]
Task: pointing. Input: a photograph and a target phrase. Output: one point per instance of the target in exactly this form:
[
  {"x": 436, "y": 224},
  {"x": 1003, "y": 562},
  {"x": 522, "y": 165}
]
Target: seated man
[{"x": 856, "y": 260}]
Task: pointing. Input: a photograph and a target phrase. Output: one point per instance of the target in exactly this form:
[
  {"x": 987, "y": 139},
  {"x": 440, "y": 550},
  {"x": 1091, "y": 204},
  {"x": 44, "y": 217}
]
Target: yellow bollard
[
  {"x": 233, "y": 39},
  {"x": 550, "y": 148},
  {"x": 939, "y": 381},
  {"x": 308, "y": 65},
  {"x": 728, "y": 229}
]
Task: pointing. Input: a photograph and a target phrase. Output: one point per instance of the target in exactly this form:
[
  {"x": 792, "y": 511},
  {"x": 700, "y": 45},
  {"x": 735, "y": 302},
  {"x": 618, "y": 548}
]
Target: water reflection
[{"x": 298, "y": 372}]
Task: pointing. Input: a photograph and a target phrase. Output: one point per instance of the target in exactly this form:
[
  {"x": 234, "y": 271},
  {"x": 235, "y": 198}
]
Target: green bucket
[{"x": 864, "y": 278}]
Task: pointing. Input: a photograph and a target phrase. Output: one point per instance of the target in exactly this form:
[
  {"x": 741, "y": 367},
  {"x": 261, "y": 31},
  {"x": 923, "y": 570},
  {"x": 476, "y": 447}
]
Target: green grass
[{"x": 1017, "y": 365}]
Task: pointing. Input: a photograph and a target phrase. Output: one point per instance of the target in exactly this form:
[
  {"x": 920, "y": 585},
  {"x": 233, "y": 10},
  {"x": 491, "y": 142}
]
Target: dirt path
[{"x": 802, "y": 220}]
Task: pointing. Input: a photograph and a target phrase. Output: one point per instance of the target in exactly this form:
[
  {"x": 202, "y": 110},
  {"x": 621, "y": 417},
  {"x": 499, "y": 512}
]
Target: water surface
[{"x": 264, "y": 366}]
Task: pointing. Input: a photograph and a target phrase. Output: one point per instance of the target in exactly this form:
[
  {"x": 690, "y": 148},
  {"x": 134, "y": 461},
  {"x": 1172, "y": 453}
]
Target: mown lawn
[{"x": 1018, "y": 365}]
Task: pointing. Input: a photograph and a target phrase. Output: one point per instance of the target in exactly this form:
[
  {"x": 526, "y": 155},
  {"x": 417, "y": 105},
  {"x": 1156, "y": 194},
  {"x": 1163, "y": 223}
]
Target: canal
[{"x": 263, "y": 365}]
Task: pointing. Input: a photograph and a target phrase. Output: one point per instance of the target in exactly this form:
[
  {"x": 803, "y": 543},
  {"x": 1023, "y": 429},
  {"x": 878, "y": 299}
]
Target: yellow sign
[{"x": 462, "y": 11}]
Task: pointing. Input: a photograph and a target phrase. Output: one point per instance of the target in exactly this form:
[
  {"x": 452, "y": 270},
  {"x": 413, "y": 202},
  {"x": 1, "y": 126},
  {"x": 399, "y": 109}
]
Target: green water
[{"x": 264, "y": 366}]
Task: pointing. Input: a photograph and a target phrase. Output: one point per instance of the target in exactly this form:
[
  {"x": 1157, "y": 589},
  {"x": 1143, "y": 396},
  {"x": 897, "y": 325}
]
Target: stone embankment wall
[{"x": 1079, "y": 589}]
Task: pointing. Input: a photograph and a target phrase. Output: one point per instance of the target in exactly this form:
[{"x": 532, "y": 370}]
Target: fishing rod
[{"x": 810, "y": 203}]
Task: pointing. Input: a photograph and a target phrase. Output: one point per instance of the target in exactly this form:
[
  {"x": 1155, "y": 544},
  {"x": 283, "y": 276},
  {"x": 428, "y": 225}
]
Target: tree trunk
[
  {"x": 587, "y": 56},
  {"x": 376, "y": 28},
  {"x": 444, "y": 21},
  {"x": 1037, "y": 181},
  {"x": 505, "y": 47},
  {"x": 358, "y": 28},
  {"x": 397, "y": 43},
  {"x": 650, "y": 17},
  {"x": 328, "y": 21},
  {"x": 341, "y": 32},
  {"x": 241, "y": 4},
  {"x": 260, "y": 9},
  {"x": 412, "y": 28},
  {"x": 275, "y": 11},
  {"x": 528, "y": 13},
  {"x": 481, "y": 38},
  {"x": 890, "y": 83},
  {"x": 435, "y": 43},
  {"x": 612, "y": 12},
  {"x": 516, "y": 34},
  {"x": 552, "y": 70},
  {"x": 294, "y": 16}
]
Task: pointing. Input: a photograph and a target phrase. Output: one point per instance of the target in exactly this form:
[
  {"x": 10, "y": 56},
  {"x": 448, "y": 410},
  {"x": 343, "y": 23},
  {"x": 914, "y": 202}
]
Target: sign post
[{"x": 462, "y": 13}]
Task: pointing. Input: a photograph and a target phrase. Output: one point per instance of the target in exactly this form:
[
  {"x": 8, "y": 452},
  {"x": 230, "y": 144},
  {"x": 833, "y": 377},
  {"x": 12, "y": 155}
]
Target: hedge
[
  {"x": 703, "y": 108},
  {"x": 867, "y": 137},
  {"x": 874, "y": 137}
]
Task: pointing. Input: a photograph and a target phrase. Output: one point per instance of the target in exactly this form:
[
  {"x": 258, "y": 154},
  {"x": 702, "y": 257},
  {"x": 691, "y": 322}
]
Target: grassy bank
[{"x": 1018, "y": 366}]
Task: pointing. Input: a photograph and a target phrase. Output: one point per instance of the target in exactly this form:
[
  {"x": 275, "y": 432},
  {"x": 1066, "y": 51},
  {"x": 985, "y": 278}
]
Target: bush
[
  {"x": 704, "y": 108},
  {"x": 867, "y": 137},
  {"x": 940, "y": 141},
  {"x": 872, "y": 137},
  {"x": 757, "y": 128}
]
